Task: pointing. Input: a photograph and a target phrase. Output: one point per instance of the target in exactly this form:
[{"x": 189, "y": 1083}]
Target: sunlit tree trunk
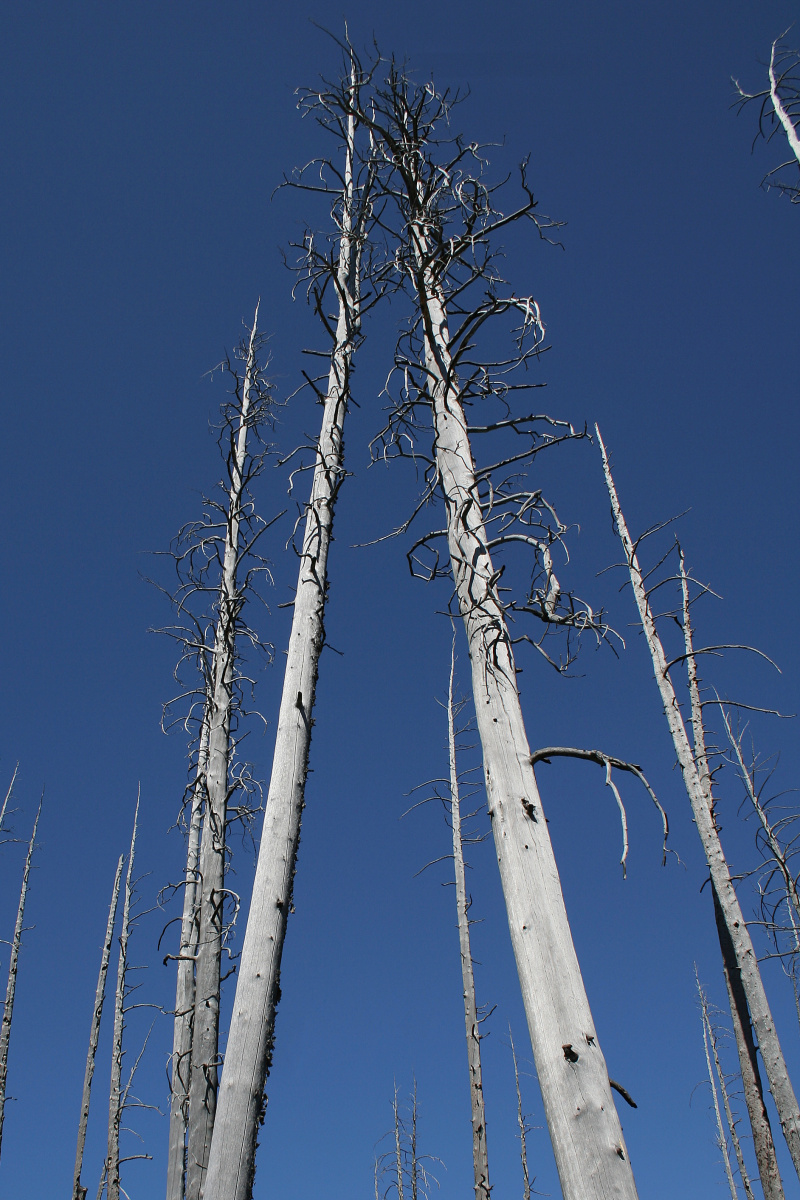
[
  {"x": 249, "y": 1048},
  {"x": 115, "y": 1102},
  {"x": 210, "y": 893},
  {"x": 78, "y": 1191},
  {"x": 761, "y": 1016},
  {"x": 184, "y": 990},
  {"x": 480, "y": 1154},
  {"x": 11, "y": 986}
]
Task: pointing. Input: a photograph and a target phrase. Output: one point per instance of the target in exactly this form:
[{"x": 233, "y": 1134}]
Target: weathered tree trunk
[
  {"x": 78, "y": 1191},
  {"x": 780, "y": 110},
  {"x": 480, "y": 1153},
  {"x": 769, "y": 1044},
  {"x": 523, "y": 1127},
  {"x": 184, "y": 990},
  {"x": 722, "y": 1141},
  {"x": 740, "y": 1016},
  {"x": 204, "y": 1070},
  {"x": 115, "y": 1101},
  {"x": 8, "y": 796},
  {"x": 241, "y": 1098},
  {"x": 584, "y": 1126},
  {"x": 11, "y": 986}
]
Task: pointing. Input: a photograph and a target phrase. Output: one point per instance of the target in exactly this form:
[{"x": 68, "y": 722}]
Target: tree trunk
[
  {"x": 740, "y": 1016},
  {"x": 722, "y": 1141},
  {"x": 78, "y": 1191},
  {"x": 11, "y": 987},
  {"x": 584, "y": 1126},
  {"x": 115, "y": 1091},
  {"x": 241, "y": 1100},
  {"x": 769, "y": 1044},
  {"x": 204, "y": 1070},
  {"x": 480, "y": 1153},
  {"x": 523, "y": 1127},
  {"x": 184, "y": 990}
]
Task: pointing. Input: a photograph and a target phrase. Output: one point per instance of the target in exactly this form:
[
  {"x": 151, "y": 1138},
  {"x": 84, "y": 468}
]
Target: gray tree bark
[
  {"x": 768, "y": 1041},
  {"x": 115, "y": 1091},
  {"x": 722, "y": 1141},
  {"x": 584, "y": 1127},
  {"x": 78, "y": 1191},
  {"x": 185, "y": 989},
  {"x": 231, "y": 1164},
  {"x": 204, "y": 1070},
  {"x": 763, "y": 1144},
  {"x": 11, "y": 986},
  {"x": 480, "y": 1153}
]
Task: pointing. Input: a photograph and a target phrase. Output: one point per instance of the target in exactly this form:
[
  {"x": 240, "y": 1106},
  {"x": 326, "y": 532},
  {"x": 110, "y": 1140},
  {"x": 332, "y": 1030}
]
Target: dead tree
[
  {"x": 112, "y": 1164},
  {"x": 524, "y": 1128},
  {"x": 7, "y": 797},
  {"x": 78, "y": 1191},
  {"x": 219, "y": 566},
  {"x": 472, "y": 1020},
  {"x": 443, "y": 220},
  {"x": 402, "y": 1170},
  {"x": 185, "y": 990},
  {"x": 721, "y": 1139},
  {"x": 11, "y": 986},
  {"x": 335, "y": 276},
  {"x": 779, "y": 113},
  {"x": 693, "y": 765}
]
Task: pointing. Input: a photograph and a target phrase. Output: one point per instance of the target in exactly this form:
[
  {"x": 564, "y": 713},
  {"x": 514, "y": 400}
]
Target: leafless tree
[
  {"x": 219, "y": 566},
  {"x": 6, "y": 799},
  {"x": 697, "y": 780},
  {"x": 11, "y": 986},
  {"x": 779, "y": 113},
  {"x": 524, "y": 1128},
  {"x": 402, "y": 1171},
  {"x": 78, "y": 1190},
  {"x": 721, "y": 1139},
  {"x": 443, "y": 220},
  {"x": 115, "y": 1101},
  {"x": 334, "y": 275}
]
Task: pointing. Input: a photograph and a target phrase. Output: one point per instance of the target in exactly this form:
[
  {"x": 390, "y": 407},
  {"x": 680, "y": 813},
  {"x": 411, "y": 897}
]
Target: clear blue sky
[{"x": 140, "y": 145}]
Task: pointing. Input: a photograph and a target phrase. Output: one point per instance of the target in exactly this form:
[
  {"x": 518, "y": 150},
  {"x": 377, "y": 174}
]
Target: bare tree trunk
[
  {"x": 8, "y": 796},
  {"x": 584, "y": 1126},
  {"x": 740, "y": 1016},
  {"x": 241, "y": 1100},
  {"x": 11, "y": 986},
  {"x": 523, "y": 1127},
  {"x": 78, "y": 1191},
  {"x": 205, "y": 1024},
  {"x": 723, "y": 1087},
  {"x": 722, "y": 1141},
  {"x": 115, "y": 1091},
  {"x": 480, "y": 1154},
  {"x": 184, "y": 990},
  {"x": 769, "y": 1044},
  {"x": 780, "y": 110}
]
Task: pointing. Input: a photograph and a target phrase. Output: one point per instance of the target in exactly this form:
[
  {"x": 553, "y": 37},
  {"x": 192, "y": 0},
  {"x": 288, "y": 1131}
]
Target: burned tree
[
  {"x": 219, "y": 567},
  {"x": 13, "y": 965},
  {"x": 742, "y": 962},
  {"x": 444, "y": 220},
  {"x": 78, "y": 1190},
  {"x": 779, "y": 113},
  {"x": 115, "y": 1102},
  {"x": 334, "y": 277}
]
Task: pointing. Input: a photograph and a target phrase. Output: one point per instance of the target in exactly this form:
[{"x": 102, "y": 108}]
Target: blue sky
[{"x": 140, "y": 147}]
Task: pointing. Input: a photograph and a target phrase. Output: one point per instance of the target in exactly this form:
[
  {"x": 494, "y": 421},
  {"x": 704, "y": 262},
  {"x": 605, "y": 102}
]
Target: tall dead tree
[
  {"x": 185, "y": 989},
  {"x": 115, "y": 1099},
  {"x": 332, "y": 276},
  {"x": 444, "y": 220},
  {"x": 721, "y": 1139},
  {"x": 13, "y": 965},
  {"x": 218, "y": 566},
  {"x": 480, "y": 1153},
  {"x": 78, "y": 1190},
  {"x": 779, "y": 114},
  {"x": 693, "y": 764}
]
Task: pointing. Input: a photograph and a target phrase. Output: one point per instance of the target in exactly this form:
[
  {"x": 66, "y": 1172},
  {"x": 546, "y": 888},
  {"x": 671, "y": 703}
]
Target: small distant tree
[{"x": 779, "y": 114}]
